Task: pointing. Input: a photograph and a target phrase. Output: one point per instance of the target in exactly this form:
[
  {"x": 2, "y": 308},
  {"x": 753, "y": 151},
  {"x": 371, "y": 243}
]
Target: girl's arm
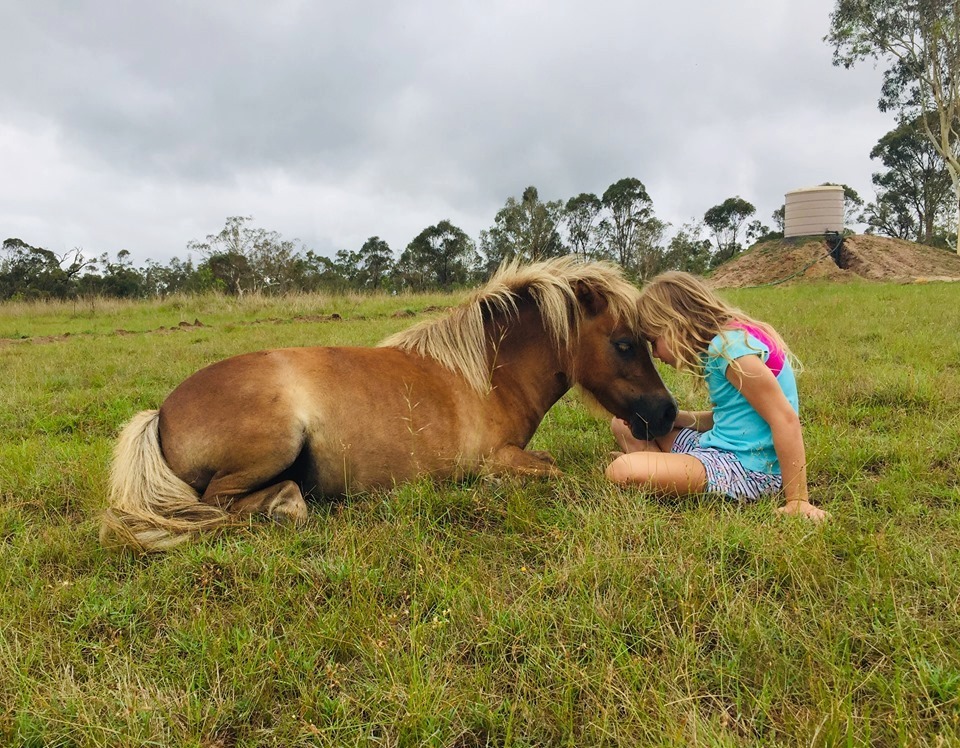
[
  {"x": 760, "y": 388},
  {"x": 698, "y": 420}
]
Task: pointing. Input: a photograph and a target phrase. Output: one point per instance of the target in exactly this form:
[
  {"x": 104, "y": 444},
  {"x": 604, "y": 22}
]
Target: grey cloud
[{"x": 443, "y": 108}]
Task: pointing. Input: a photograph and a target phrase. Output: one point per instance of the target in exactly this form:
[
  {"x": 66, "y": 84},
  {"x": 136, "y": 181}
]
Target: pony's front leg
[{"x": 511, "y": 459}]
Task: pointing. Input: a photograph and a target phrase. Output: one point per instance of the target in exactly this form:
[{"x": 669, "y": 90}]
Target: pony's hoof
[
  {"x": 289, "y": 509},
  {"x": 542, "y": 455}
]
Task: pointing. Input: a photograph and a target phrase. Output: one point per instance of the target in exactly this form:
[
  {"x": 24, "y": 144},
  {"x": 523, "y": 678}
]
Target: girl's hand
[{"x": 803, "y": 508}]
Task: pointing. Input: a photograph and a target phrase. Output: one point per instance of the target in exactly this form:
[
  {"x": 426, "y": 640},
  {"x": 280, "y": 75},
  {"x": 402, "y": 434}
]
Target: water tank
[{"x": 813, "y": 210}]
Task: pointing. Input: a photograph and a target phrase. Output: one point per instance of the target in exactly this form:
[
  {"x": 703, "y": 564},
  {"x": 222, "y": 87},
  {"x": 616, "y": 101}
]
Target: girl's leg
[{"x": 671, "y": 474}]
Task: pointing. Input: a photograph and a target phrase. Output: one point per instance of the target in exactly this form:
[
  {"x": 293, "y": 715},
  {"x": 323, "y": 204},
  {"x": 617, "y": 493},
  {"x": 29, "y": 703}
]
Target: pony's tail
[{"x": 151, "y": 509}]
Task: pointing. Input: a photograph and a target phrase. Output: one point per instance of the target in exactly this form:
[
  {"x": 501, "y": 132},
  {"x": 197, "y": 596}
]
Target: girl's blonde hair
[{"x": 682, "y": 310}]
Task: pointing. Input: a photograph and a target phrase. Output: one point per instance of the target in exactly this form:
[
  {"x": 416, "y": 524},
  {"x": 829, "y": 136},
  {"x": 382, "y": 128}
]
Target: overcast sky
[{"x": 142, "y": 126}]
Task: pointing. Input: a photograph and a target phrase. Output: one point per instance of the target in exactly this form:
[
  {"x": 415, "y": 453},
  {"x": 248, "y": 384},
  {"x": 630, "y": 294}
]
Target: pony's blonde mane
[{"x": 458, "y": 341}]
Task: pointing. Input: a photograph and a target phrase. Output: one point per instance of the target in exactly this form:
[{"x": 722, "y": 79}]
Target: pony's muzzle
[{"x": 653, "y": 417}]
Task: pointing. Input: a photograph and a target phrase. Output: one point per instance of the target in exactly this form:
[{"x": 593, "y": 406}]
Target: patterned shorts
[{"x": 725, "y": 474}]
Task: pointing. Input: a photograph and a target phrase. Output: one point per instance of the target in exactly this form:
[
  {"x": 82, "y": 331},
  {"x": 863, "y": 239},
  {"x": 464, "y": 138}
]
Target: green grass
[{"x": 563, "y": 612}]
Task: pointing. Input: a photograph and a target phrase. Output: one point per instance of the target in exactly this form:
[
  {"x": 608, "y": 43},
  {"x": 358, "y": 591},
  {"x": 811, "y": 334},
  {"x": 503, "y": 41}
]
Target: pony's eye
[{"x": 623, "y": 346}]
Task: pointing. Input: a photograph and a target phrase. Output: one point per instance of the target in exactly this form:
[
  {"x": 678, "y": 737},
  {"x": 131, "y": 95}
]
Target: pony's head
[
  {"x": 588, "y": 311},
  {"x": 611, "y": 361}
]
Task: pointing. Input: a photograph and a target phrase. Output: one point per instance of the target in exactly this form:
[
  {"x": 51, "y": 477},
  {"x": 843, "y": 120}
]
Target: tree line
[
  {"x": 913, "y": 201},
  {"x": 620, "y": 225}
]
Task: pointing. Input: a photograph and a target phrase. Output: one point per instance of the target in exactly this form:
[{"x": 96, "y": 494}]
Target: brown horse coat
[{"x": 449, "y": 397}]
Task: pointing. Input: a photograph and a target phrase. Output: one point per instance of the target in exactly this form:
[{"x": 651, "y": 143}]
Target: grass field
[{"x": 564, "y": 612}]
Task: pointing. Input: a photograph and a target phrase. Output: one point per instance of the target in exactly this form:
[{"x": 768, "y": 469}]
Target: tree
[
  {"x": 780, "y": 218},
  {"x": 687, "y": 250},
  {"x": 231, "y": 273},
  {"x": 628, "y": 210},
  {"x": 119, "y": 279},
  {"x": 757, "y": 231},
  {"x": 247, "y": 258},
  {"x": 648, "y": 248},
  {"x": 914, "y": 193},
  {"x": 178, "y": 277},
  {"x": 440, "y": 256},
  {"x": 524, "y": 229},
  {"x": 374, "y": 263},
  {"x": 36, "y": 273},
  {"x": 313, "y": 272},
  {"x": 920, "y": 40},
  {"x": 581, "y": 214},
  {"x": 890, "y": 215},
  {"x": 725, "y": 221}
]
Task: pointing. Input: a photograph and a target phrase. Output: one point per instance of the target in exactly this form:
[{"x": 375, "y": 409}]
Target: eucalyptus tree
[
  {"x": 632, "y": 232},
  {"x": 779, "y": 217},
  {"x": 526, "y": 229},
  {"x": 725, "y": 222},
  {"x": 920, "y": 41},
  {"x": 248, "y": 258},
  {"x": 374, "y": 263},
  {"x": 891, "y": 215},
  {"x": 177, "y": 276},
  {"x": 688, "y": 250},
  {"x": 914, "y": 192},
  {"x": 35, "y": 272},
  {"x": 581, "y": 215},
  {"x": 115, "y": 278},
  {"x": 231, "y": 273},
  {"x": 440, "y": 256}
]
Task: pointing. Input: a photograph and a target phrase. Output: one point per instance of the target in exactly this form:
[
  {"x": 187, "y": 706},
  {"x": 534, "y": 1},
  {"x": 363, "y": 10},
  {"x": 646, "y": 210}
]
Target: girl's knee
[{"x": 619, "y": 471}]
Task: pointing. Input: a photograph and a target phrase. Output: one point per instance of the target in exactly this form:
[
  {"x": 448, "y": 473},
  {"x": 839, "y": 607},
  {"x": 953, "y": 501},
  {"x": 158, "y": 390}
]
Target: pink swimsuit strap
[{"x": 776, "y": 358}]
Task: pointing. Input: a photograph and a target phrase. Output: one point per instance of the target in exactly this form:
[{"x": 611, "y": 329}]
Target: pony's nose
[
  {"x": 670, "y": 412},
  {"x": 653, "y": 417}
]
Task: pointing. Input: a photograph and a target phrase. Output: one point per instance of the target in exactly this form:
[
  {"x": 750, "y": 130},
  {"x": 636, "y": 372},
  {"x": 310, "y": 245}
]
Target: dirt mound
[{"x": 861, "y": 256}]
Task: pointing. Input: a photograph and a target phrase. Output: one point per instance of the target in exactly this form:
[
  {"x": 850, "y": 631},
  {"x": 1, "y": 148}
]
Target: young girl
[{"x": 750, "y": 444}]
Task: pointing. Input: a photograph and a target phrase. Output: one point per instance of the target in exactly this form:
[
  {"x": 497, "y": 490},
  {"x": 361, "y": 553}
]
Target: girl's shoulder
[
  {"x": 728, "y": 340},
  {"x": 741, "y": 339}
]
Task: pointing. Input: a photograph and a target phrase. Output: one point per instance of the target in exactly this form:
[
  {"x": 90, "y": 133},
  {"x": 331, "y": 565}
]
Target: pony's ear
[{"x": 593, "y": 303}]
